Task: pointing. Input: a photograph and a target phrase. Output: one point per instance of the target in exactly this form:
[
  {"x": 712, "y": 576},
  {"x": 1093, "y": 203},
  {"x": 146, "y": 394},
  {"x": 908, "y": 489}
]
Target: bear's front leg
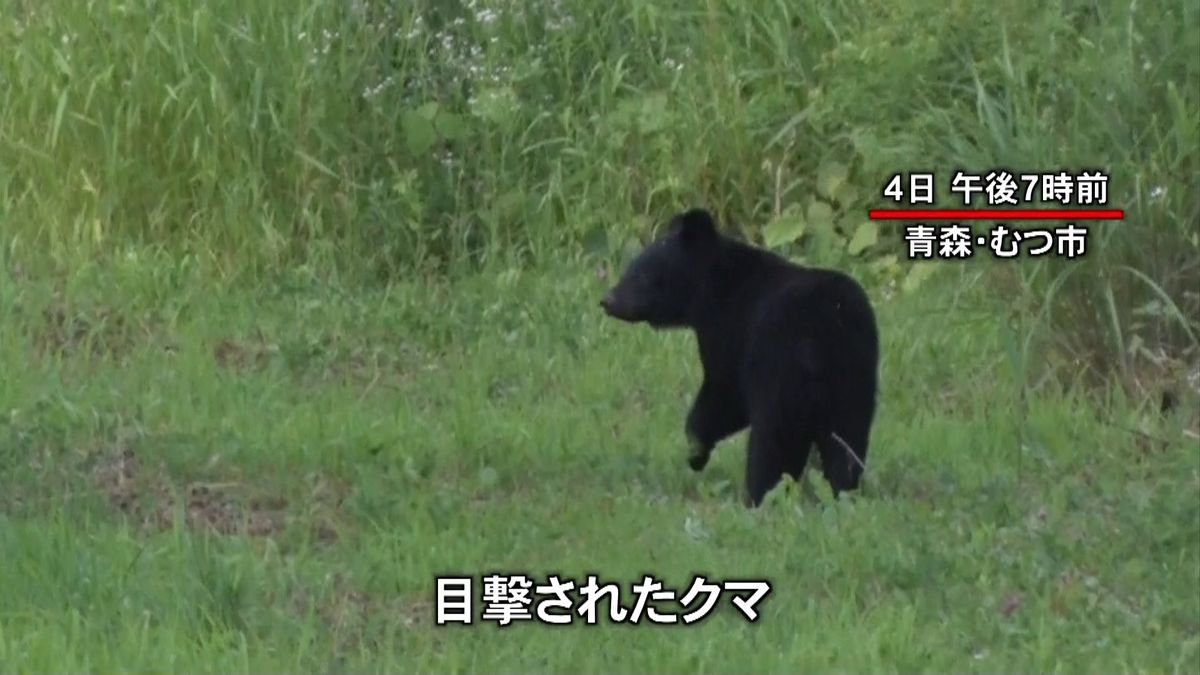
[{"x": 715, "y": 415}]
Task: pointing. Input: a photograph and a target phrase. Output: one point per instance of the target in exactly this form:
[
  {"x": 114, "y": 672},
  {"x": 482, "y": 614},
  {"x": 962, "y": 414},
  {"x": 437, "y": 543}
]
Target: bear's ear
[{"x": 695, "y": 226}]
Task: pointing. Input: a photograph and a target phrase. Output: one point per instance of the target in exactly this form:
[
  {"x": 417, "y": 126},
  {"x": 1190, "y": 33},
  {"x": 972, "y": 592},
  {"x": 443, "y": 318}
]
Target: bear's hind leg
[
  {"x": 767, "y": 459},
  {"x": 843, "y": 457},
  {"x": 795, "y": 456},
  {"x": 781, "y": 437}
]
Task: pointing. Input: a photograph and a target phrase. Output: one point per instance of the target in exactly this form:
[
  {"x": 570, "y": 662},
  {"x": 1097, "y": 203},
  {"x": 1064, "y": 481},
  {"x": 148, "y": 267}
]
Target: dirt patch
[
  {"x": 148, "y": 497},
  {"x": 244, "y": 355},
  {"x": 61, "y": 330}
]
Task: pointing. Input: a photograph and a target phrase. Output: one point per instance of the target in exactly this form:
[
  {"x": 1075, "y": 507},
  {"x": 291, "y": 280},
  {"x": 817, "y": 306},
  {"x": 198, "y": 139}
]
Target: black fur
[{"x": 792, "y": 352}]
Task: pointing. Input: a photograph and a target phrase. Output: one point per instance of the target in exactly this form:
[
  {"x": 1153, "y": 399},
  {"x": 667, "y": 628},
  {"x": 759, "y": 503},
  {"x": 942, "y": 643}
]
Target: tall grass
[
  {"x": 223, "y": 442},
  {"x": 390, "y": 137}
]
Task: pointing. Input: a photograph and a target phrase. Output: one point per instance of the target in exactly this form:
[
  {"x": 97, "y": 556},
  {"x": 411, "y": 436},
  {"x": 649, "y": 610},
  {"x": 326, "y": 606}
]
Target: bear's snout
[
  {"x": 614, "y": 307},
  {"x": 608, "y": 302}
]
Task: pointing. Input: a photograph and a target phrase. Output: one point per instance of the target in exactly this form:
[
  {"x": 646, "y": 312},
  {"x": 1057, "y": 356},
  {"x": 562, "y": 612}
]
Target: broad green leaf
[
  {"x": 428, "y": 110},
  {"x": 419, "y": 133},
  {"x": 917, "y": 274},
  {"x": 785, "y": 229},
  {"x": 886, "y": 264},
  {"x": 848, "y": 196},
  {"x": 831, "y": 176},
  {"x": 864, "y": 237},
  {"x": 820, "y": 214},
  {"x": 865, "y": 143},
  {"x": 452, "y": 127}
]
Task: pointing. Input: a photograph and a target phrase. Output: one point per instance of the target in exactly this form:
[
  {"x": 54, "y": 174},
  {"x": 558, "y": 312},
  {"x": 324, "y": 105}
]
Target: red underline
[{"x": 997, "y": 214}]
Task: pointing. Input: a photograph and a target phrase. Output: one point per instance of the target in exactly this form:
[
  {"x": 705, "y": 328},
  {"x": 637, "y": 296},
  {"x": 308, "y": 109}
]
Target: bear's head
[{"x": 661, "y": 283}]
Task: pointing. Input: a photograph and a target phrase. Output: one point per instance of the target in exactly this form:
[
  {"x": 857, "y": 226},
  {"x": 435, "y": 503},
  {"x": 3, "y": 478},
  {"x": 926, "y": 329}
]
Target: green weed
[{"x": 298, "y": 311}]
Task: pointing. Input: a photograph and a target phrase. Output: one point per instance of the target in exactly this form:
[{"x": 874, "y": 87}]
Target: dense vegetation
[{"x": 298, "y": 311}]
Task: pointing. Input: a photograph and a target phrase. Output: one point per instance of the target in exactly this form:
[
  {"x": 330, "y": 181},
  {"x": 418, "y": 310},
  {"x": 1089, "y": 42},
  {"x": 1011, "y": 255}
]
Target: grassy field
[
  {"x": 297, "y": 467},
  {"x": 299, "y": 312}
]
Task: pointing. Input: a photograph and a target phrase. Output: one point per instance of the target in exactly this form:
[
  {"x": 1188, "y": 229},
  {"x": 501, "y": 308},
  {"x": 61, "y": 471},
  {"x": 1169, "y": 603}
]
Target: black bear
[{"x": 790, "y": 351}]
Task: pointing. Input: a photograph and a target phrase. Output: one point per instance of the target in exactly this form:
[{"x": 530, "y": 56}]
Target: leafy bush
[{"x": 387, "y": 137}]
